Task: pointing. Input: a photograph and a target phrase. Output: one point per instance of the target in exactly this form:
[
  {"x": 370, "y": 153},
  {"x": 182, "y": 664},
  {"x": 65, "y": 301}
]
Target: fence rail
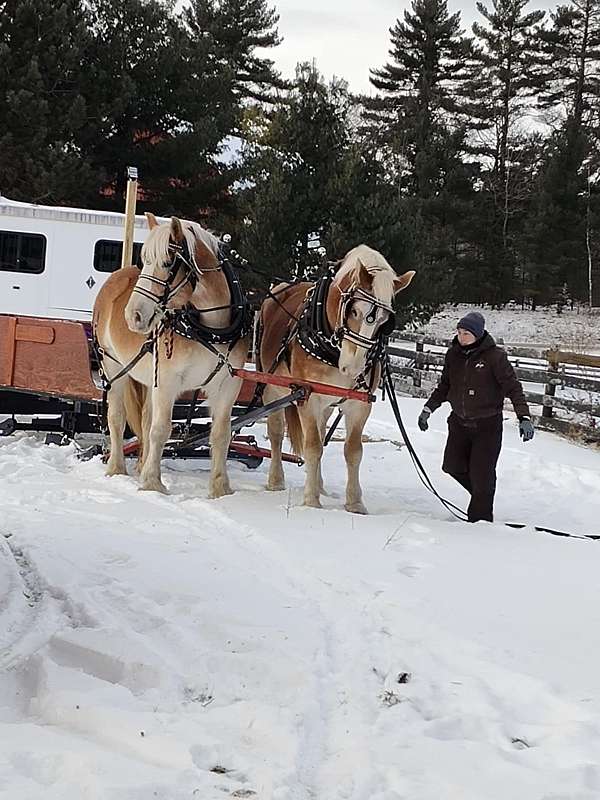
[{"x": 417, "y": 372}]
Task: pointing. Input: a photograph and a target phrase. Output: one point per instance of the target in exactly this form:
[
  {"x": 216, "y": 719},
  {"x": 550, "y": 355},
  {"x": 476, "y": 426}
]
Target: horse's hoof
[
  {"x": 356, "y": 508},
  {"x": 312, "y": 502},
  {"x": 221, "y": 491},
  {"x": 277, "y": 486},
  {"x": 117, "y": 470},
  {"x": 154, "y": 486}
]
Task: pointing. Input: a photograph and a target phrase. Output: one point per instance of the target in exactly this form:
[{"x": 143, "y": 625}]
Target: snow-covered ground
[
  {"x": 173, "y": 647},
  {"x": 571, "y": 330}
]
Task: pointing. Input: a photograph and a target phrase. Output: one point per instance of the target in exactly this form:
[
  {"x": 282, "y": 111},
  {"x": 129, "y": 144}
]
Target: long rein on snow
[{"x": 388, "y": 388}]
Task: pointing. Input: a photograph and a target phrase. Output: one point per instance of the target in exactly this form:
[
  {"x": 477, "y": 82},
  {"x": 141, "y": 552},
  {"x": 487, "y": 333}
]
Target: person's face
[{"x": 465, "y": 338}]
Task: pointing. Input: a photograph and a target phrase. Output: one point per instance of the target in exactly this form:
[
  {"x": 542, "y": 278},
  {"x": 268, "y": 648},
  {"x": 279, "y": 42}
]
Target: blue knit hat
[{"x": 473, "y": 322}]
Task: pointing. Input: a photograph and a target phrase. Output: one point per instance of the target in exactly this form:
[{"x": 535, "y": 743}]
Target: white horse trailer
[{"x": 54, "y": 260}]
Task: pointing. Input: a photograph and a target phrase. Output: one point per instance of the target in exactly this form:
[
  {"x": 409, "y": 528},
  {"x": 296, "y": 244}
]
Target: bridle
[
  {"x": 192, "y": 273},
  {"x": 343, "y": 331}
]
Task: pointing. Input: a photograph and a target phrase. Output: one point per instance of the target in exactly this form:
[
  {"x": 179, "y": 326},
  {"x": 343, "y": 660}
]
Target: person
[{"x": 476, "y": 378}]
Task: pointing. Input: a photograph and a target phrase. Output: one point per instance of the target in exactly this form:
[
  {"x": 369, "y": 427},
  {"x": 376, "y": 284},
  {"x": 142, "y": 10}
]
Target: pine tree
[
  {"x": 504, "y": 95},
  {"x": 422, "y": 90},
  {"x": 555, "y": 228},
  {"x": 237, "y": 30},
  {"x": 42, "y": 106},
  {"x": 419, "y": 124},
  {"x": 571, "y": 95},
  {"x": 293, "y": 164},
  {"x": 162, "y": 103},
  {"x": 572, "y": 50},
  {"x": 509, "y": 75}
]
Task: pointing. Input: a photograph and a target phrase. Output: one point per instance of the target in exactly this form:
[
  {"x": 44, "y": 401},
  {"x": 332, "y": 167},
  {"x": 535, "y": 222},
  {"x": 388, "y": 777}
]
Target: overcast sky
[{"x": 347, "y": 37}]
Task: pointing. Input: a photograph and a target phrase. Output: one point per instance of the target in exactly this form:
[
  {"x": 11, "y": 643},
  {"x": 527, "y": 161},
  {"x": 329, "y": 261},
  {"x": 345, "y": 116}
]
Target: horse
[
  {"x": 333, "y": 332},
  {"x": 183, "y": 288}
]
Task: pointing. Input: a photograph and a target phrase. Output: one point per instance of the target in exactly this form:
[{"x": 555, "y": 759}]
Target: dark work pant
[{"x": 470, "y": 457}]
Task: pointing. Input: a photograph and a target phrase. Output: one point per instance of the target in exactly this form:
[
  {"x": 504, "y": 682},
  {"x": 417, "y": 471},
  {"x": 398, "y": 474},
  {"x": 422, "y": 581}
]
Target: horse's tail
[
  {"x": 294, "y": 430},
  {"x": 135, "y": 399}
]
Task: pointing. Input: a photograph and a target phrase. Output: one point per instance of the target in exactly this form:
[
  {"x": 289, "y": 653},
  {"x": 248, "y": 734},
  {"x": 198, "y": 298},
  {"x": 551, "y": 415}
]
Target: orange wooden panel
[
  {"x": 8, "y": 326},
  {"x": 58, "y": 364}
]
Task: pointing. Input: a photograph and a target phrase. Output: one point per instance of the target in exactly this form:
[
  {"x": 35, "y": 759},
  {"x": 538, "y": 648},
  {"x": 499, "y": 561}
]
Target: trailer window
[
  {"x": 107, "y": 255},
  {"x": 22, "y": 252}
]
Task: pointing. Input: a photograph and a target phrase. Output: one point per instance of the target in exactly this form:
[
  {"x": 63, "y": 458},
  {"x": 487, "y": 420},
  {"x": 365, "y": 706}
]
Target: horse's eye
[{"x": 354, "y": 313}]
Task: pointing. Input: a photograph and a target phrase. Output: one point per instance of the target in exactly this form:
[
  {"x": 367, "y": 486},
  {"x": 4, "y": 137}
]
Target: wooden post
[
  {"x": 418, "y": 363},
  {"x": 550, "y": 390},
  {"x": 130, "y": 201}
]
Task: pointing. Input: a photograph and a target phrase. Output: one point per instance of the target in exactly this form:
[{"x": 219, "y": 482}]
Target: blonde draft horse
[
  {"x": 358, "y": 305},
  {"x": 128, "y": 310}
]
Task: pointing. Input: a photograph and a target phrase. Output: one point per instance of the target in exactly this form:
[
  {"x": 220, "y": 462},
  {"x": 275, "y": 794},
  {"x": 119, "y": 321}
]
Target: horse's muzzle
[{"x": 140, "y": 322}]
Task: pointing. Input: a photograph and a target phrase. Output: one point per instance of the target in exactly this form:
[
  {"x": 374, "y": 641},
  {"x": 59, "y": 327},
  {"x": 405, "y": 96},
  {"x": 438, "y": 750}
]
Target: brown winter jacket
[{"x": 475, "y": 382}]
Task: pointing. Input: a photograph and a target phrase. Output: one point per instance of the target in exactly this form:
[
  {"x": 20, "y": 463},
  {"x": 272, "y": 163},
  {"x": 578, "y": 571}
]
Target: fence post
[
  {"x": 419, "y": 361},
  {"x": 550, "y": 389}
]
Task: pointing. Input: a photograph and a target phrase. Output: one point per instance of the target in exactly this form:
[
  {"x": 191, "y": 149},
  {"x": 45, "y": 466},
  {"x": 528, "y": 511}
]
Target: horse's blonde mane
[
  {"x": 376, "y": 265},
  {"x": 156, "y": 247}
]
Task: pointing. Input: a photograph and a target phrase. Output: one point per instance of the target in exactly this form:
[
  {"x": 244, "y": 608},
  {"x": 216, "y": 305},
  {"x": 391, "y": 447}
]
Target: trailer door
[{"x": 23, "y": 277}]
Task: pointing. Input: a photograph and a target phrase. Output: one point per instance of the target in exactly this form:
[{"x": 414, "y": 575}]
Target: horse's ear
[
  {"x": 364, "y": 276},
  {"x": 151, "y": 220},
  {"x": 176, "y": 229},
  {"x": 402, "y": 281}
]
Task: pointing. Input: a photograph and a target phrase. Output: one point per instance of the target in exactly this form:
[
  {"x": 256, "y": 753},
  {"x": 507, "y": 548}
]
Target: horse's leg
[
  {"x": 146, "y": 424},
  {"x": 356, "y": 414},
  {"x": 162, "y": 398},
  {"x": 221, "y": 400},
  {"x": 323, "y": 433},
  {"x": 313, "y": 451},
  {"x": 275, "y": 433},
  {"x": 116, "y": 426}
]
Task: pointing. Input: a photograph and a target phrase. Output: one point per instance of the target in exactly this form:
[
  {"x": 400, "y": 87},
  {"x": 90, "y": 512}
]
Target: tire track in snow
[
  {"x": 327, "y": 605},
  {"x": 184, "y": 514},
  {"x": 303, "y": 782},
  {"x": 338, "y": 613},
  {"x": 31, "y": 614}
]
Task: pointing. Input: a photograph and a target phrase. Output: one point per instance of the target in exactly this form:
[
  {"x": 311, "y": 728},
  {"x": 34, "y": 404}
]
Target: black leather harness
[
  {"x": 186, "y": 321},
  {"x": 314, "y": 332}
]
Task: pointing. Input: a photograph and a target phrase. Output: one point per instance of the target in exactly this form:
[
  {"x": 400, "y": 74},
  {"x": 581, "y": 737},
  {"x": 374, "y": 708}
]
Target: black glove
[
  {"x": 526, "y": 429},
  {"x": 423, "y": 417}
]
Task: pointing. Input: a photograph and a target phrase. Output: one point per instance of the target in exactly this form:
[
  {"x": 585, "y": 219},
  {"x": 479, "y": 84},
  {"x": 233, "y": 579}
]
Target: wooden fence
[{"x": 417, "y": 362}]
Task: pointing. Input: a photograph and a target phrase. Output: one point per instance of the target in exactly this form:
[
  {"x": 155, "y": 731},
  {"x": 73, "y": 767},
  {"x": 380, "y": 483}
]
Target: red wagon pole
[
  {"x": 299, "y": 392},
  {"x": 313, "y": 386}
]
